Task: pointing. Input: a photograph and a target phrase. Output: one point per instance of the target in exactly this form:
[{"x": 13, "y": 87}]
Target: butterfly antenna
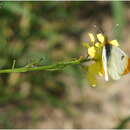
[{"x": 115, "y": 29}]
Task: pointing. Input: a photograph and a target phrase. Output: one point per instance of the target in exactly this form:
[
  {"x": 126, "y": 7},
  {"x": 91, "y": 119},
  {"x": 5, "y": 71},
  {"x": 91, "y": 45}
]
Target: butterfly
[
  {"x": 115, "y": 62},
  {"x": 110, "y": 61}
]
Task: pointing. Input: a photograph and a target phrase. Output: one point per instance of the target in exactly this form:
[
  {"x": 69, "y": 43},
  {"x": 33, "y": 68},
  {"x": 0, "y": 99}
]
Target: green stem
[{"x": 53, "y": 67}]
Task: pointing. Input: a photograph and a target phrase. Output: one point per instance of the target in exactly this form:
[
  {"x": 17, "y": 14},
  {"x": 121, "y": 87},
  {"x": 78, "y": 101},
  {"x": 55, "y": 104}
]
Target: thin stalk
[{"x": 52, "y": 67}]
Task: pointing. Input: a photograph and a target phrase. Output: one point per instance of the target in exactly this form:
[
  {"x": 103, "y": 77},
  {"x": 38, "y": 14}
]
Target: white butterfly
[{"x": 115, "y": 62}]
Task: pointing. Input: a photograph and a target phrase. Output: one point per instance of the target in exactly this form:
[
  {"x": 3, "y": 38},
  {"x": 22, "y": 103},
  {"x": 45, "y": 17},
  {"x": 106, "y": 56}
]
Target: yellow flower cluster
[{"x": 95, "y": 52}]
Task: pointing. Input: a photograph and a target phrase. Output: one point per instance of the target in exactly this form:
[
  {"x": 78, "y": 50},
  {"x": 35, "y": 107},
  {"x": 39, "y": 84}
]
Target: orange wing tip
[{"x": 127, "y": 70}]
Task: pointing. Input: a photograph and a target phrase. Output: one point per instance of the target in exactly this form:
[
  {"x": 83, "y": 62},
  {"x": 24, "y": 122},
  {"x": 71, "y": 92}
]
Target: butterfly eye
[{"x": 122, "y": 57}]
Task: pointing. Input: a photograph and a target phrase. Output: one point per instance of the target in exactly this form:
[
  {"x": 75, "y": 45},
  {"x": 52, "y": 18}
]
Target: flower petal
[
  {"x": 91, "y": 36},
  {"x": 90, "y": 75},
  {"x": 91, "y": 72},
  {"x": 92, "y": 51},
  {"x": 85, "y": 44},
  {"x": 100, "y": 38},
  {"x": 98, "y": 45},
  {"x": 114, "y": 42}
]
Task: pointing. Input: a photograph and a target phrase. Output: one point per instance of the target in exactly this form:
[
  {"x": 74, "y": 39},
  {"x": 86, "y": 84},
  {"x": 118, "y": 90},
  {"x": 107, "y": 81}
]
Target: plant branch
[
  {"x": 123, "y": 123},
  {"x": 52, "y": 67}
]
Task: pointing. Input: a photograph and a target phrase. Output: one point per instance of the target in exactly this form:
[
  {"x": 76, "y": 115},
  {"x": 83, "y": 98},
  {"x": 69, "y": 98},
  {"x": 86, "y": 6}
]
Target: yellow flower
[
  {"x": 94, "y": 50},
  {"x": 102, "y": 39},
  {"x": 91, "y": 72},
  {"x": 91, "y": 36},
  {"x": 114, "y": 42}
]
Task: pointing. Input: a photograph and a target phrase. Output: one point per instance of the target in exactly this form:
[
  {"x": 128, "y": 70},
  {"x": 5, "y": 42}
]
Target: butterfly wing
[
  {"x": 104, "y": 61},
  {"x": 117, "y": 62}
]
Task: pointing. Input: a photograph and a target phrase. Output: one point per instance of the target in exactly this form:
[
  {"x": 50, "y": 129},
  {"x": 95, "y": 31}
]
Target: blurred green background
[{"x": 48, "y": 32}]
